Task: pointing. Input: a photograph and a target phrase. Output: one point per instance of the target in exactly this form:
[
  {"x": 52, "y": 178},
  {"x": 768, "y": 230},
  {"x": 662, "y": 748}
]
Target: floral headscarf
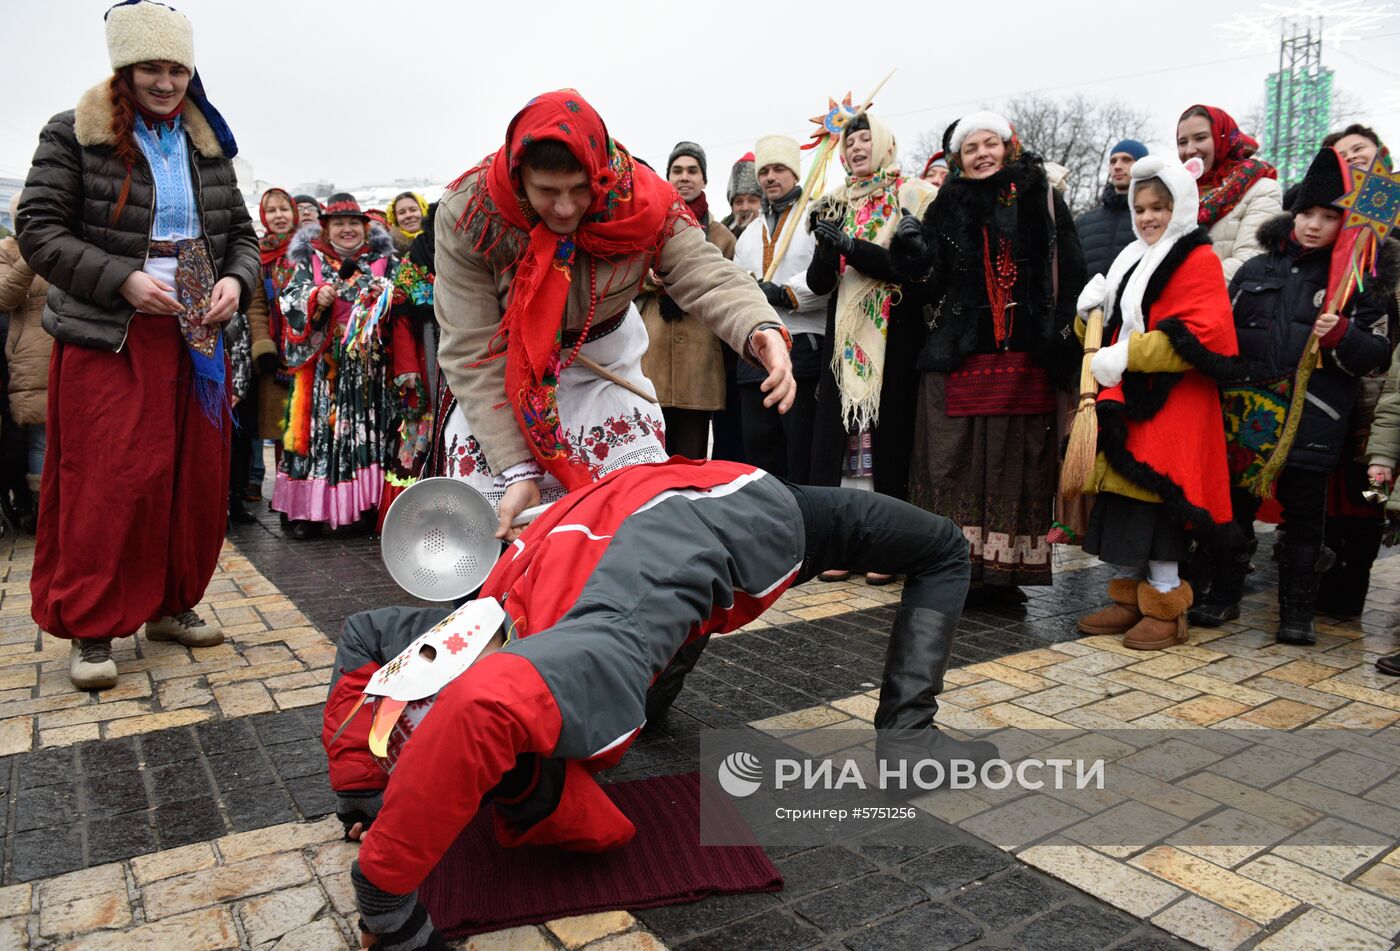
[
  {"x": 1233, "y": 171},
  {"x": 869, "y": 210}
]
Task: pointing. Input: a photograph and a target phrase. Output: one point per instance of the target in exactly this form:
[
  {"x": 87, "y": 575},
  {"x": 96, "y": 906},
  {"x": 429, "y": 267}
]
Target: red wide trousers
[{"x": 134, "y": 497}]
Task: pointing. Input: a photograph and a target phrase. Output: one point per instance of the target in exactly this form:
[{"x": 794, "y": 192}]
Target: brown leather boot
[
  {"x": 1163, "y": 621},
  {"x": 1119, "y": 617}
]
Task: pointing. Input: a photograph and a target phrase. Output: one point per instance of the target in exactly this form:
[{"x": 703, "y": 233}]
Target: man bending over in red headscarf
[{"x": 541, "y": 249}]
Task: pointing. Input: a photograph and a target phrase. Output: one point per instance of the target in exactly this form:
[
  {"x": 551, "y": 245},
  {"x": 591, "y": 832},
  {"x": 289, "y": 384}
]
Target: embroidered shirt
[{"x": 166, "y": 148}]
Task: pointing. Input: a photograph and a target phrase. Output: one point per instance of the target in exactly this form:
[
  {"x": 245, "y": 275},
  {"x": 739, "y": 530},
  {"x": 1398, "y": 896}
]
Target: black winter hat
[
  {"x": 1328, "y": 178},
  {"x": 695, "y": 152},
  {"x": 948, "y": 136}
]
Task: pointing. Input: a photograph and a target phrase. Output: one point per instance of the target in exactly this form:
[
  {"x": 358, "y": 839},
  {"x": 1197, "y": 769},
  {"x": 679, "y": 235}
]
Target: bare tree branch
[{"x": 1076, "y": 132}]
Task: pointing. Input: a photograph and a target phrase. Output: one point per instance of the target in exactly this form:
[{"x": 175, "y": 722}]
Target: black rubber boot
[
  {"x": 921, "y": 641},
  {"x": 1222, "y": 602},
  {"x": 1357, "y": 541},
  {"x": 1197, "y": 569},
  {"x": 1297, "y": 594}
]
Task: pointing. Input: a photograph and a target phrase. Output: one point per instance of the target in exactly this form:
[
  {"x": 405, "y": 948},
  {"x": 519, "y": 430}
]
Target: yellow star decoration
[{"x": 1374, "y": 200}]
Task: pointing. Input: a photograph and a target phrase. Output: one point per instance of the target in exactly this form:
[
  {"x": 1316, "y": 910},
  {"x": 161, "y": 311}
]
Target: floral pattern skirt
[
  {"x": 341, "y": 475},
  {"x": 607, "y": 427}
]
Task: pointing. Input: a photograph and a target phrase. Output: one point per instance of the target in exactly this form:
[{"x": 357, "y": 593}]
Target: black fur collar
[
  {"x": 1158, "y": 281},
  {"x": 963, "y": 196},
  {"x": 1275, "y": 234}
]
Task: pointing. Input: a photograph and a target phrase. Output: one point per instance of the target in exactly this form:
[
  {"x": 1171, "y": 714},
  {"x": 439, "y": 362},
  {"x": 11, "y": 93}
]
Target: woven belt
[
  {"x": 570, "y": 338},
  {"x": 166, "y": 248}
]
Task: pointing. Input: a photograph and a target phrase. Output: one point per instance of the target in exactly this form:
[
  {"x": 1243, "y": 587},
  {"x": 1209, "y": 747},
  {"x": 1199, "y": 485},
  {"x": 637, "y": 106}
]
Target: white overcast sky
[{"x": 361, "y": 92}]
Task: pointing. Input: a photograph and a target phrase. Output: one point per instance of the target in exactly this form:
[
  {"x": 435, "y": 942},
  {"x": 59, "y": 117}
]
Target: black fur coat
[{"x": 1046, "y": 251}]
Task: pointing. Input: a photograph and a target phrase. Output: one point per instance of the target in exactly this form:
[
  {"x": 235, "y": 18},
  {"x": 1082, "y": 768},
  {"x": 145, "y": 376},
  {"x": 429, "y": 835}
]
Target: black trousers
[
  {"x": 780, "y": 443},
  {"x": 863, "y": 532},
  {"x": 867, "y": 532},
  {"x": 240, "y": 466},
  {"x": 1302, "y": 493},
  {"x": 687, "y": 432},
  {"x": 728, "y": 422}
]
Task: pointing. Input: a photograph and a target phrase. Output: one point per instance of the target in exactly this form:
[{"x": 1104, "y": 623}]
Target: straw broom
[{"x": 1084, "y": 433}]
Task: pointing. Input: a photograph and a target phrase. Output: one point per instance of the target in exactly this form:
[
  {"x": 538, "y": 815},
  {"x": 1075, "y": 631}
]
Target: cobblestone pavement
[{"x": 187, "y": 808}]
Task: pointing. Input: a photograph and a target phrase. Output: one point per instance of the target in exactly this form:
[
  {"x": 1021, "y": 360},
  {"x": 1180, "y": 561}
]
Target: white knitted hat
[
  {"x": 778, "y": 150},
  {"x": 144, "y": 31},
  {"x": 979, "y": 122}
]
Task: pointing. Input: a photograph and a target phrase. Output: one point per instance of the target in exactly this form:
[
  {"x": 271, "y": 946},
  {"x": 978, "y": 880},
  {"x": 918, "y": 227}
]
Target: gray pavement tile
[
  {"x": 854, "y": 903},
  {"x": 1018, "y": 895},
  {"x": 928, "y": 927}
]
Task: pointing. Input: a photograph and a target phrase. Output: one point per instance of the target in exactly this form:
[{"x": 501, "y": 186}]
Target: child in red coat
[{"x": 1161, "y": 471}]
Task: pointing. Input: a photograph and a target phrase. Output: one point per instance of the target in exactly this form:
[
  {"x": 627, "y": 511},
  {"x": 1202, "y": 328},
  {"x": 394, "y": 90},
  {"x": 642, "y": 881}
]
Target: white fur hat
[
  {"x": 140, "y": 31},
  {"x": 778, "y": 150},
  {"x": 979, "y": 122},
  {"x": 1180, "y": 180}
]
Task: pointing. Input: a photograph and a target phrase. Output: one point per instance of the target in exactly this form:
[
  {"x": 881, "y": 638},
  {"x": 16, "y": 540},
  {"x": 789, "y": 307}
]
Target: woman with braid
[{"x": 132, "y": 212}]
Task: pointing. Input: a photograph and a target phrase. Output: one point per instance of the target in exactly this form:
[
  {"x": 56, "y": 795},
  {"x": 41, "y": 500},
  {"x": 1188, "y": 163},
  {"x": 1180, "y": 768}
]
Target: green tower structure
[{"x": 1297, "y": 100}]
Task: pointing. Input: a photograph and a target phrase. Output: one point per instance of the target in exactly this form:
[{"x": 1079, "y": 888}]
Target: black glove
[
  {"x": 267, "y": 363},
  {"x": 359, "y": 805},
  {"x": 909, "y": 235},
  {"x": 777, "y": 295},
  {"x": 829, "y": 233}
]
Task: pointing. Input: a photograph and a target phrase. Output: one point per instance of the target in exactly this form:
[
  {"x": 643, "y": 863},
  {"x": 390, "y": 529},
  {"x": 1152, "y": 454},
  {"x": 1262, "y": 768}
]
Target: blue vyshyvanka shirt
[{"x": 166, "y": 148}]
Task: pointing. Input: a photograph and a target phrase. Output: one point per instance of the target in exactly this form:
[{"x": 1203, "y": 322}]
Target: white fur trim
[
  {"x": 777, "y": 150},
  {"x": 1128, "y": 289},
  {"x": 979, "y": 122},
  {"x": 142, "y": 32}
]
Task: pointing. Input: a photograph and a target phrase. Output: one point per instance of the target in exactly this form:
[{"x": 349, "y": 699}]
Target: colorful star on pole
[
  {"x": 1373, "y": 201},
  {"x": 833, "y": 121}
]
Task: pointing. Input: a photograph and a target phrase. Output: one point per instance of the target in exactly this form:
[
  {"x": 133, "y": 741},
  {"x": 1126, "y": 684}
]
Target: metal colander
[{"x": 439, "y": 539}]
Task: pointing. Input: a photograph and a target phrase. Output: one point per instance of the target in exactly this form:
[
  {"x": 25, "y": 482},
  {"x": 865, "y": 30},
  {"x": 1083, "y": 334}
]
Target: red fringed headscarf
[
  {"x": 633, "y": 212},
  {"x": 1232, "y": 172}
]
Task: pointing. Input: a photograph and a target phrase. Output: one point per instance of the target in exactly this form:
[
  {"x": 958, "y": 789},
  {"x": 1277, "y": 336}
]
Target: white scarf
[{"x": 1181, "y": 182}]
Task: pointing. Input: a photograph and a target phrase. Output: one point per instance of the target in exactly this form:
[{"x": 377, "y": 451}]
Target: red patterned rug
[{"x": 479, "y": 886}]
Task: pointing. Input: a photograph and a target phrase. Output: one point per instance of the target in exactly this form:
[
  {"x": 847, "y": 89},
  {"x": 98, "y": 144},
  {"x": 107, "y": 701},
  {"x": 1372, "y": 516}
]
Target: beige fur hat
[
  {"x": 142, "y": 31},
  {"x": 778, "y": 150}
]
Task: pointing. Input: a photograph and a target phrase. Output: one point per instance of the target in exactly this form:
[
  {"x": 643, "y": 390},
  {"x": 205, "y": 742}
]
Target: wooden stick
[
  {"x": 798, "y": 210},
  {"x": 815, "y": 175},
  {"x": 612, "y": 377},
  {"x": 871, "y": 98},
  {"x": 1262, "y": 482}
]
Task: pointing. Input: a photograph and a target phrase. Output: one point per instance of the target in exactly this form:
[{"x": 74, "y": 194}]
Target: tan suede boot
[
  {"x": 1163, "y": 621},
  {"x": 1119, "y": 617},
  {"x": 187, "y": 627}
]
